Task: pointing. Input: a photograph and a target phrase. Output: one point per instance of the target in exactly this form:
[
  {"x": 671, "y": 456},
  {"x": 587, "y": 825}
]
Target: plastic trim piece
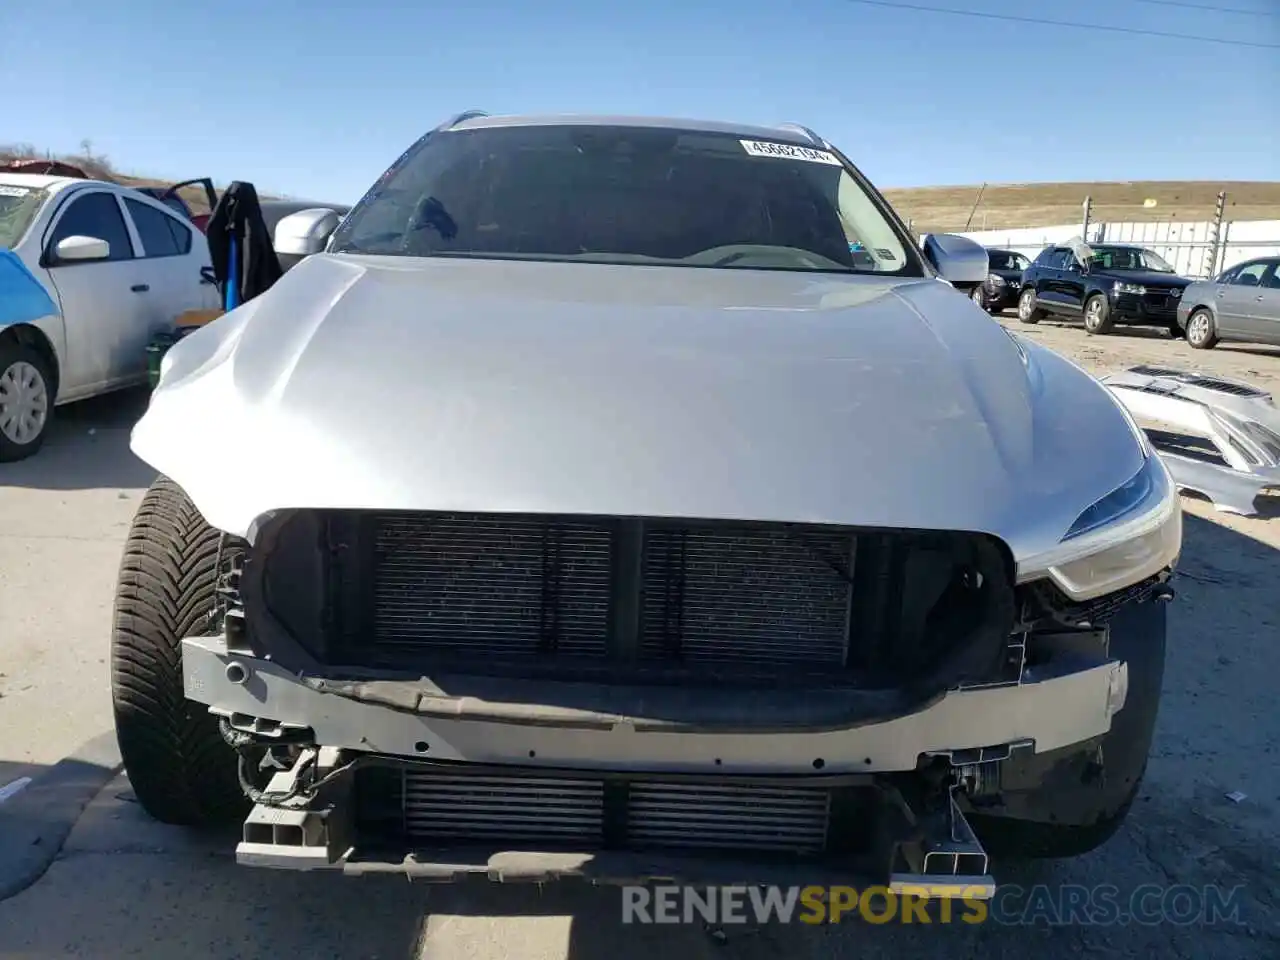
[{"x": 1219, "y": 438}]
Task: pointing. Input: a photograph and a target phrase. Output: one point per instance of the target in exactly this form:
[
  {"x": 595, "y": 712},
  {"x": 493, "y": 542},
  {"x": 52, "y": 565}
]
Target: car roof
[
  {"x": 40, "y": 181},
  {"x": 785, "y": 134},
  {"x": 43, "y": 181}
]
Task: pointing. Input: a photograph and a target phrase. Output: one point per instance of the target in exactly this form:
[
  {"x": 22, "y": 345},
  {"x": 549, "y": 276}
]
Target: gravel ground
[{"x": 124, "y": 887}]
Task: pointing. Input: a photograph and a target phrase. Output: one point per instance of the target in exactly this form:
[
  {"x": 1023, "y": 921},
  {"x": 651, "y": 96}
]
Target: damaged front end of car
[{"x": 627, "y": 699}]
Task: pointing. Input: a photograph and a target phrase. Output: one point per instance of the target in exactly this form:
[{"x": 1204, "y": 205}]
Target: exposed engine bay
[{"x": 647, "y": 690}]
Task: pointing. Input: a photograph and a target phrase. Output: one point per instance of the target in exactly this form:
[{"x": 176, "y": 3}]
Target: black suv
[
  {"x": 1105, "y": 284},
  {"x": 1000, "y": 289}
]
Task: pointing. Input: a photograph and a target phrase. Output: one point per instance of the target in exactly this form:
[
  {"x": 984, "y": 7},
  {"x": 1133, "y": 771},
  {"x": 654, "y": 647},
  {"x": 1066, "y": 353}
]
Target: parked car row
[{"x": 1105, "y": 285}]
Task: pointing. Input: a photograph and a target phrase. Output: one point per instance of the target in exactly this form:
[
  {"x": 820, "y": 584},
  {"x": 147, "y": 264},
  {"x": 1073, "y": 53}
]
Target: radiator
[{"x": 502, "y": 587}]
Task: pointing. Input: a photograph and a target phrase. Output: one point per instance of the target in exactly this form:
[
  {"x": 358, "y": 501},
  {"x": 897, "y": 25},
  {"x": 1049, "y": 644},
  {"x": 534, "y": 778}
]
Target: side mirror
[
  {"x": 958, "y": 259},
  {"x": 79, "y": 248},
  {"x": 1075, "y": 267},
  {"x": 305, "y": 232}
]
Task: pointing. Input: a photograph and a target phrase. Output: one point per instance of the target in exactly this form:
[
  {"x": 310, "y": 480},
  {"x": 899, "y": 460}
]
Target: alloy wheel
[
  {"x": 24, "y": 402},
  {"x": 1198, "y": 330}
]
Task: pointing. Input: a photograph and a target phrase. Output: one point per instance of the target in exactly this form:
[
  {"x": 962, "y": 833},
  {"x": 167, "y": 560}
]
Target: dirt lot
[{"x": 123, "y": 887}]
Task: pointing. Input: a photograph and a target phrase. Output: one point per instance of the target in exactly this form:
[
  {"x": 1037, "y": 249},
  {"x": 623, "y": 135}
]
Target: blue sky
[{"x": 315, "y": 99}]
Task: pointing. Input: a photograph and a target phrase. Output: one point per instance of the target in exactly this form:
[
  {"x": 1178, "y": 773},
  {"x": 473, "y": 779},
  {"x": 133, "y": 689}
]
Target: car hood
[
  {"x": 1144, "y": 277},
  {"x": 518, "y": 386}
]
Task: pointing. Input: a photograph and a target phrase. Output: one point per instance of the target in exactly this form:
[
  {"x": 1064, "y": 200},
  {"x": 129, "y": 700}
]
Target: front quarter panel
[
  {"x": 1195, "y": 296},
  {"x": 24, "y": 300},
  {"x": 1061, "y": 432}
]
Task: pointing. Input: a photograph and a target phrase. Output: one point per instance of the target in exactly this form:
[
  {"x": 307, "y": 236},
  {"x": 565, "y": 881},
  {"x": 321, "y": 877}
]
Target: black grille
[
  {"x": 1096, "y": 612},
  {"x": 489, "y": 586},
  {"x": 1160, "y": 301},
  {"x": 492, "y": 586},
  {"x": 618, "y": 599},
  {"x": 1199, "y": 380},
  {"x": 758, "y": 596}
]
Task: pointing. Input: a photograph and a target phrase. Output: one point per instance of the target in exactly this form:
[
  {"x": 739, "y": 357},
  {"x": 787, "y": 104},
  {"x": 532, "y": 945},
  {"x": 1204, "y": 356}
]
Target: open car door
[{"x": 201, "y": 220}]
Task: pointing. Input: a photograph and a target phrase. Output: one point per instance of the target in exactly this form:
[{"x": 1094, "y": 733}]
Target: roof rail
[
  {"x": 460, "y": 118},
  {"x": 797, "y": 128}
]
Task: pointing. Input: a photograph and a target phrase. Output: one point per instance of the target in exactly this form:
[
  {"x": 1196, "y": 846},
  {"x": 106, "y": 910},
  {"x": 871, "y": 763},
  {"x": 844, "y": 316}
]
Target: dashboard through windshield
[{"x": 616, "y": 194}]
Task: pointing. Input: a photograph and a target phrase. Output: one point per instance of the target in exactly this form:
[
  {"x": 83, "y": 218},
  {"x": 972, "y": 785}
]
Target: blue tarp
[{"x": 23, "y": 299}]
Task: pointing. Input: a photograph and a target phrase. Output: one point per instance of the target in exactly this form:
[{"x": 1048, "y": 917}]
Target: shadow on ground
[{"x": 87, "y": 448}]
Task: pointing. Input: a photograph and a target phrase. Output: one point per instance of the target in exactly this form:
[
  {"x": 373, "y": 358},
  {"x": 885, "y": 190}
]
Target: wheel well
[{"x": 33, "y": 337}]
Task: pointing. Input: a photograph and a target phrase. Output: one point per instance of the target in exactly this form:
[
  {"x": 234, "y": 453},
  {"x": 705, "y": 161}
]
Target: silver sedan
[{"x": 1242, "y": 303}]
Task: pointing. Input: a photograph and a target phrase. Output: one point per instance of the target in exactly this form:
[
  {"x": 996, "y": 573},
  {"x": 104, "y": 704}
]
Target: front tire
[
  {"x": 979, "y": 297},
  {"x": 1028, "y": 312},
  {"x": 181, "y": 769},
  {"x": 1097, "y": 315},
  {"x": 1202, "y": 331},
  {"x": 26, "y": 400}
]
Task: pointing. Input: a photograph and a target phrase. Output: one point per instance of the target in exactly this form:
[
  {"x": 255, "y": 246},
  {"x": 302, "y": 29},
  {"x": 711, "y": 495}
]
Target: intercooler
[
  {"x": 440, "y": 807},
  {"x": 502, "y": 587}
]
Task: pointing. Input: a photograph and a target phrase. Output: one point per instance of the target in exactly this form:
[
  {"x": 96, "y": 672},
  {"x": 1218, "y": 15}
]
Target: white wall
[{"x": 1185, "y": 245}]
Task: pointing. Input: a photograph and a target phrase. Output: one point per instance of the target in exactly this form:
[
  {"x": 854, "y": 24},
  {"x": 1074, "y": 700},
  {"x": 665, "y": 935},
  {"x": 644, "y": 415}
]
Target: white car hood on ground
[{"x": 517, "y": 386}]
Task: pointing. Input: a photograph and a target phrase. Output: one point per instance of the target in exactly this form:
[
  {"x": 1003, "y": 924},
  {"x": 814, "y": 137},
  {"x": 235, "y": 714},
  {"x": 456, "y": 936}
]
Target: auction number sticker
[
  {"x": 8, "y": 191},
  {"x": 788, "y": 151}
]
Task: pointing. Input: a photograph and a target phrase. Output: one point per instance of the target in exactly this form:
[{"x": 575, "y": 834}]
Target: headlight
[
  {"x": 995, "y": 280},
  {"x": 1120, "y": 501},
  {"x": 1130, "y": 534},
  {"x": 1135, "y": 288}
]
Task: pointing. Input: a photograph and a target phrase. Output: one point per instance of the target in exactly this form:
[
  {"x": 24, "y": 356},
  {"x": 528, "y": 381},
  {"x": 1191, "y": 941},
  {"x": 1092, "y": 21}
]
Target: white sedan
[{"x": 119, "y": 266}]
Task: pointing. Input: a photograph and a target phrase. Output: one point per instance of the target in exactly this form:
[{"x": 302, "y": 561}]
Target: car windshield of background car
[
  {"x": 610, "y": 194},
  {"x": 1128, "y": 258},
  {"x": 1009, "y": 261},
  {"x": 18, "y": 207}
]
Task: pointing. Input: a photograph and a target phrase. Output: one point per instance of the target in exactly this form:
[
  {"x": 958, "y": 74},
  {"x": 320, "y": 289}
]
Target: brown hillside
[
  {"x": 101, "y": 168},
  {"x": 1007, "y": 205},
  {"x": 937, "y": 209}
]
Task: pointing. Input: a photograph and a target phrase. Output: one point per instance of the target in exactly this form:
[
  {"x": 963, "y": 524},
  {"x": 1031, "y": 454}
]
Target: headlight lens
[
  {"x": 1130, "y": 534},
  {"x": 1135, "y": 288},
  {"x": 1120, "y": 501},
  {"x": 995, "y": 280}
]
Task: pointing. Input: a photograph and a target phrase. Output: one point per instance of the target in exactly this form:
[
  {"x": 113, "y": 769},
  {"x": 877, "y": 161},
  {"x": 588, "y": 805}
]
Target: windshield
[
  {"x": 1128, "y": 258},
  {"x": 1007, "y": 260},
  {"x": 18, "y": 207},
  {"x": 625, "y": 195}
]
